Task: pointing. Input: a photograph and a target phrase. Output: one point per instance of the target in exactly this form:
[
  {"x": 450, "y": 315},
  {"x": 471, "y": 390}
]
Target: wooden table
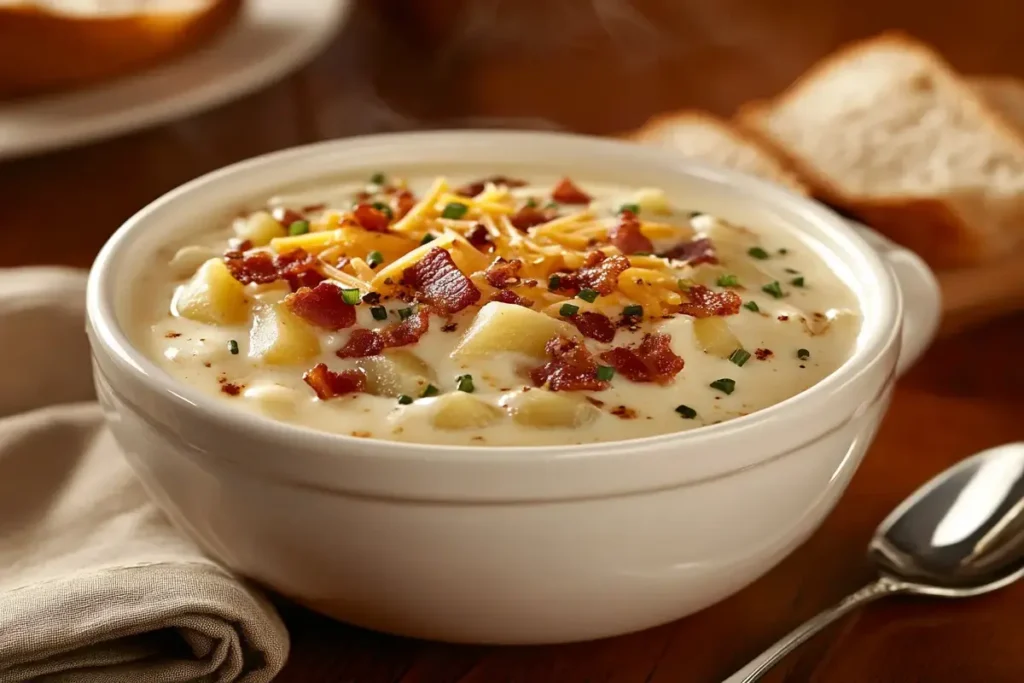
[{"x": 524, "y": 63}]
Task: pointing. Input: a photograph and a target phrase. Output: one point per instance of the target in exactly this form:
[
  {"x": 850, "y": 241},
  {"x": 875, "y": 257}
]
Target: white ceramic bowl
[{"x": 514, "y": 545}]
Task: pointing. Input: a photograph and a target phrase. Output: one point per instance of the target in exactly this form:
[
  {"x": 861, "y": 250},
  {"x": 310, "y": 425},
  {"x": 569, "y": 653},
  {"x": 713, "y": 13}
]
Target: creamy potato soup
[{"x": 494, "y": 311}]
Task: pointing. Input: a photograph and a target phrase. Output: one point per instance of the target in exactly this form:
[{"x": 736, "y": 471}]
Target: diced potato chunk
[
  {"x": 187, "y": 260},
  {"x": 259, "y": 228},
  {"x": 652, "y": 200},
  {"x": 279, "y": 337},
  {"x": 395, "y": 373},
  {"x": 539, "y": 408},
  {"x": 715, "y": 337},
  {"x": 212, "y": 296},
  {"x": 459, "y": 410},
  {"x": 274, "y": 399},
  {"x": 502, "y": 327}
]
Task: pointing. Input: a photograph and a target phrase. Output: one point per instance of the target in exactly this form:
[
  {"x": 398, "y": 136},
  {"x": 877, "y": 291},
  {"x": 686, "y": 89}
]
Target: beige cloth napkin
[{"x": 95, "y": 585}]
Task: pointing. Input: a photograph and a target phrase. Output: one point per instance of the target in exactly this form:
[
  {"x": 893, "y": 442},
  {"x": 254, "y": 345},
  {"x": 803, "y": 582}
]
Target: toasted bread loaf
[
  {"x": 703, "y": 136},
  {"x": 887, "y": 131},
  {"x": 48, "y": 45}
]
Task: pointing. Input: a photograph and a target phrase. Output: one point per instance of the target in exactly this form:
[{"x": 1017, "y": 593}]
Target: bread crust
[{"x": 42, "y": 51}]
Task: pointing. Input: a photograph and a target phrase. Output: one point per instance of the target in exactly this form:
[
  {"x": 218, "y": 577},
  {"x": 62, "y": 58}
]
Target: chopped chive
[
  {"x": 774, "y": 288},
  {"x": 298, "y": 228},
  {"x": 727, "y": 281},
  {"x": 739, "y": 357},
  {"x": 378, "y": 178},
  {"x": 797, "y": 281},
  {"x": 632, "y": 208},
  {"x": 605, "y": 373},
  {"x": 568, "y": 310},
  {"x": 351, "y": 296},
  {"x": 588, "y": 295},
  {"x": 233, "y": 347},
  {"x": 725, "y": 385},
  {"x": 633, "y": 310},
  {"x": 686, "y": 411},
  {"x": 429, "y": 390},
  {"x": 554, "y": 282},
  {"x": 454, "y": 211},
  {"x": 792, "y": 271},
  {"x": 551, "y": 205},
  {"x": 465, "y": 383},
  {"x": 684, "y": 284},
  {"x": 404, "y": 400},
  {"x": 783, "y": 251},
  {"x": 427, "y": 239},
  {"x": 758, "y": 253},
  {"x": 384, "y": 209},
  {"x": 803, "y": 354},
  {"x": 531, "y": 203},
  {"x": 404, "y": 313},
  {"x": 374, "y": 259},
  {"x": 752, "y": 306},
  {"x": 379, "y": 313}
]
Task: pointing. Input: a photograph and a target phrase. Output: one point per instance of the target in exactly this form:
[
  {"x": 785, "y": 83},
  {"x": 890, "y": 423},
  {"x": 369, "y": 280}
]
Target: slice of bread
[
  {"x": 886, "y": 130},
  {"x": 48, "y": 45},
  {"x": 708, "y": 138}
]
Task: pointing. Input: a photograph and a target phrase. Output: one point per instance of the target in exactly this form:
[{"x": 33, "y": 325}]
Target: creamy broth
[{"x": 785, "y": 320}]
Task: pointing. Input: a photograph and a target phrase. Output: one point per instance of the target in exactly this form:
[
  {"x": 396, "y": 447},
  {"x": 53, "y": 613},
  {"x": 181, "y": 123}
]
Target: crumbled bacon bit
[
  {"x": 329, "y": 384},
  {"x": 502, "y": 273},
  {"x": 285, "y": 216},
  {"x": 594, "y": 325},
  {"x": 231, "y": 389},
  {"x": 402, "y": 203},
  {"x": 693, "y": 252},
  {"x": 763, "y": 354},
  {"x": 322, "y": 306},
  {"x": 528, "y": 216},
  {"x": 312, "y": 208},
  {"x": 449, "y": 327},
  {"x": 599, "y": 273},
  {"x": 652, "y": 361},
  {"x": 571, "y": 367},
  {"x": 363, "y": 342},
  {"x": 480, "y": 238},
  {"x": 507, "y": 296},
  {"x": 297, "y": 267},
  {"x": 173, "y": 335},
  {"x": 595, "y": 401},
  {"x": 440, "y": 283},
  {"x": 207, "y": 363},
  {"x": 476, "y": 187},
  {"x": 624, "y": 412},
  {"x": 702, "y": 302},
  {"x": 566, "y": 192},
  {"x": 627, "y": 237},
  {"x": 370, "y": 218},
  {"x": 783, "y": 318}
]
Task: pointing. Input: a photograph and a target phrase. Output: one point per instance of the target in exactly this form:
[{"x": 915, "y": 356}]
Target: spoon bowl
[{"x": 959, "y": 535}]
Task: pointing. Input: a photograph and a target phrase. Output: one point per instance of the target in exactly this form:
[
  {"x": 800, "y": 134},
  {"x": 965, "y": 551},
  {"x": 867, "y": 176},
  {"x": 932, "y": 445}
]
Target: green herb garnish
[
  {"x": 454, "y": 211},
  {"x": 632, "y": 208},
  {"x": 378, "y": 178},
  {"x": 605, "y": 373},
  {"x": 429, "y": 390},
  {"x": 725, "y": 385},
  {"x": 298, "y": 228},
  {"x": 797, "y": 281},
  {"x": 589, "y": 295},
  {"x": 568, "y": 310},
  {"x": 752, "y": 306},
  {"x": 404, "y": 313},
  {"x": 774, "y": 288},
  {"x": 758, "y": 253},
  {"x": 384, "y": 209},
  {"x": 531, "y": 203},
  {"x": 686, "y": 411},
  {"x": 427, "y": 239},
  {"x": 379, "y": 312},
  {"x": 374, "y": 259},
  {"x": 404, "y": 400},
  {"x": 739, "y": 357},
  {"x": 233, "y": 347},
  {"x": 792, "y": 271},
  {"x": 554, "y": 282},
  {"x": 727, "y": 281},
  {"x": 783, "y": 251},
  {"x": 465, "y": 383},
  {"x": 551, "y": 205},
  {"x": 633, "y": 311},
  {"x": 803, "y": 354},
  {"x": 350, "y": 296},
  {"x": 684, "y": 284}
]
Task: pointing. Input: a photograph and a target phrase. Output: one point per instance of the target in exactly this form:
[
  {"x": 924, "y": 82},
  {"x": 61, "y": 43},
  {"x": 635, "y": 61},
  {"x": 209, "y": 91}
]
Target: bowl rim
[{"x": 107, "y": 334}]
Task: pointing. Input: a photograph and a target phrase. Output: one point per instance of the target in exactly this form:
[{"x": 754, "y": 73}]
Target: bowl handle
[{"x": 922, "y": 300}]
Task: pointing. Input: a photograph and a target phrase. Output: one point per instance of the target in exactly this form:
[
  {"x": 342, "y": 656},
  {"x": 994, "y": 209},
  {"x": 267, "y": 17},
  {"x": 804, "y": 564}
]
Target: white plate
[{"x": 269, "y": 39}]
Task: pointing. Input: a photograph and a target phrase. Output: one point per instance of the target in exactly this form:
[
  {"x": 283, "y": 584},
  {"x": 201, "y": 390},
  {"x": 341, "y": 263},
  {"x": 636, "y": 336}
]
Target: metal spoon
[{"x": 959, "y": 535}]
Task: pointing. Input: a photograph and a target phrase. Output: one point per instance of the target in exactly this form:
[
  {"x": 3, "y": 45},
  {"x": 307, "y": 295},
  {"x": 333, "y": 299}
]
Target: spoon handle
[{"x": 770, "y": 657}]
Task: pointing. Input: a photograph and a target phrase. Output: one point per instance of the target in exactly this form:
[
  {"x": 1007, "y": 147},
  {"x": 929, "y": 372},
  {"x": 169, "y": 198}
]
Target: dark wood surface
[{"x": 603, "y": 66}]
